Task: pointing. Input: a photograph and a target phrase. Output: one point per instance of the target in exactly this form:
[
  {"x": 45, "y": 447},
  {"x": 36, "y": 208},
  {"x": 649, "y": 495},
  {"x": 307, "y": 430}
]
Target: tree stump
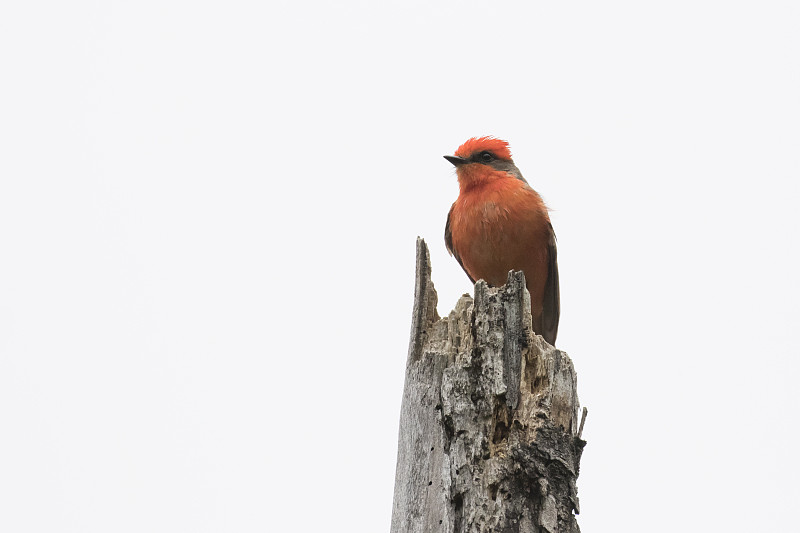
[{"x": 489, "y": 437}]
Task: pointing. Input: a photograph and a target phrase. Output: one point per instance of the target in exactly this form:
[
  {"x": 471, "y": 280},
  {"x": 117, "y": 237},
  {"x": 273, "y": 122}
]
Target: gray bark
[{"x": 489, "y": 437}]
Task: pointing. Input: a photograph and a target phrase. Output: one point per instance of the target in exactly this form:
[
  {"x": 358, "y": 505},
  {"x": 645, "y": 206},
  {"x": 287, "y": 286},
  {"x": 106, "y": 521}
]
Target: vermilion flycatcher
[{"x": 499, "y": 223}]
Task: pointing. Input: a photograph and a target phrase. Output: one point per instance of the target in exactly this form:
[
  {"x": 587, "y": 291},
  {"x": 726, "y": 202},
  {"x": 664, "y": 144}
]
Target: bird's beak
[{"x": 457, "y": 161}]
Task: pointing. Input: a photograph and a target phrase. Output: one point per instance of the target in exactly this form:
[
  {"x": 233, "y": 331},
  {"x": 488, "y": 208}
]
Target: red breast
[{"x": 499, "y": 223}]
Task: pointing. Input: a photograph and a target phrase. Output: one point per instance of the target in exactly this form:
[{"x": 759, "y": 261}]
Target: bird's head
[{"x": 481, "y": 160}]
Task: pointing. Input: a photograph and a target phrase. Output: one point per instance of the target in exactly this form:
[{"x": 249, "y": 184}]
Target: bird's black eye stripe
[{"x": 485, "y": 157}]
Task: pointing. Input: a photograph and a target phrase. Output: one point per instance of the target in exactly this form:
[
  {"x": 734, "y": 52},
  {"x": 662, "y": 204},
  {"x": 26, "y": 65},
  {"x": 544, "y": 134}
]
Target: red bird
[{"x": 499, "y": 223}]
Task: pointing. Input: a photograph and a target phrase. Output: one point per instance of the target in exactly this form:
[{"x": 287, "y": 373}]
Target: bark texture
[{"x": 489, "y": 437}]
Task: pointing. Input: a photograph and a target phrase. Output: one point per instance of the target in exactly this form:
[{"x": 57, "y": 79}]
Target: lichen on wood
[{"x": 489, "y": 423}]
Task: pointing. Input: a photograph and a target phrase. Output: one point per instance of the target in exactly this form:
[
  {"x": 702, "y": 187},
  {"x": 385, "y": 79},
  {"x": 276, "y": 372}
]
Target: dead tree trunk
[{"x": 489, "y": 437}]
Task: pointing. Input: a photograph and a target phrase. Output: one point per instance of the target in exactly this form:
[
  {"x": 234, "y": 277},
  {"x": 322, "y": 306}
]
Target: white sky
[{"x": 207, "y": 222}]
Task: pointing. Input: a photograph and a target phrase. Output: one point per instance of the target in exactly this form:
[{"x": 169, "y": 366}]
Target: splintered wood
[{"x": 489, "y": 424}]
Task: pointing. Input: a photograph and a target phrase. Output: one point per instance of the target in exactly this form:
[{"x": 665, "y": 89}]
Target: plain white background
[{"x": 207, "y": 222}]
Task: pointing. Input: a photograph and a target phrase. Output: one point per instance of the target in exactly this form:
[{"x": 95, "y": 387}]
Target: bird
[{"x": 499, "y": 223}]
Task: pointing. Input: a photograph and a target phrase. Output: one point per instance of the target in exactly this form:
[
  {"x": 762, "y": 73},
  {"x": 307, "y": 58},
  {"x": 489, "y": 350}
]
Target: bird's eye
[{"x": 486, "y": 157}]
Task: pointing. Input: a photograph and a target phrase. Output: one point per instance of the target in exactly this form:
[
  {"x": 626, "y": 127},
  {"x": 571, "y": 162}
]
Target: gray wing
[
  {"x": 448, "y": 242},
  {"x": 552, "y": 295}
]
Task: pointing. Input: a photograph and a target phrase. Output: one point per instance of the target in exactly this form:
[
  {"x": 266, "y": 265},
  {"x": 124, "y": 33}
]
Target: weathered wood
[{"x": 489, "y": 422}]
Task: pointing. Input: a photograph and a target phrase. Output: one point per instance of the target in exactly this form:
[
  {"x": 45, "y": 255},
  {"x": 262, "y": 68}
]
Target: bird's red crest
[{"x": 478, "y": 144}]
